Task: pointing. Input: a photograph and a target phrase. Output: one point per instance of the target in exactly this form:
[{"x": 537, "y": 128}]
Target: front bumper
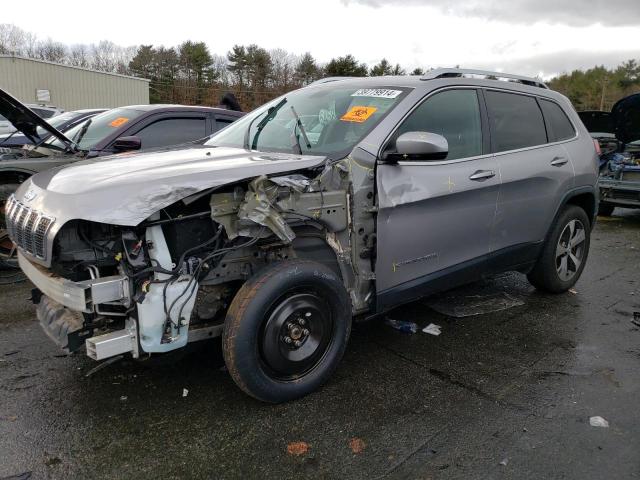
[
  {"x": 84, "y": 296},
  {"x": 619, "y": 192}
]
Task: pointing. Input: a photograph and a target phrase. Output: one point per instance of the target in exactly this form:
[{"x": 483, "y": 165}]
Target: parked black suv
[{"x": 118, "y": 130}]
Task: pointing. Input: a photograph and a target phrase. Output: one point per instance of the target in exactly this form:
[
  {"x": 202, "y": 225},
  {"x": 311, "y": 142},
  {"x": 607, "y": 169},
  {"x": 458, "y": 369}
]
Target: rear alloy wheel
[
  {"x": 286, "y": 330},
  {"x": 564, "y": 253},
  {"x": 570, "y": 250}
]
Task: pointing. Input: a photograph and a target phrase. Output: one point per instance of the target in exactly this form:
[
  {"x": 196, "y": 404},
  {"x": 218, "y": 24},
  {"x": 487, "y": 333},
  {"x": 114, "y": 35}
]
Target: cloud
[
  {"x": 570, "y": 12},
  {"x": 551, "y": 64}
]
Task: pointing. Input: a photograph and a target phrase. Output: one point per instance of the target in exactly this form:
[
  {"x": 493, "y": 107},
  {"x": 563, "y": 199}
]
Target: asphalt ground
[{"x": 504, "y": 394}]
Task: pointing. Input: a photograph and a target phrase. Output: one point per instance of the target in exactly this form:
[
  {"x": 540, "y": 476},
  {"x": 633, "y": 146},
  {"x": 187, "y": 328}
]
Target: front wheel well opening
[{"x": 13, "y": 177}]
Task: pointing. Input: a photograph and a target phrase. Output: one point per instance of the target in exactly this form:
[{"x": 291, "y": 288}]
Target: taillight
[{"x": 598, "y": 149}]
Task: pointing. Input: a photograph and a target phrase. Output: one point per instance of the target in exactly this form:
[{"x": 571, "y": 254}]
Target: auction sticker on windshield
[
  {"x": 376, "y": 93},
  {"x": 358, "y": 114},
  {"x": 118, "y": 121}
]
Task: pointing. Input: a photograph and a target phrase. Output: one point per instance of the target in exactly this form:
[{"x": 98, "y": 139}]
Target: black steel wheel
[
  {"x": 286, "y": 330},
  {"x": 296, "y": 335}
]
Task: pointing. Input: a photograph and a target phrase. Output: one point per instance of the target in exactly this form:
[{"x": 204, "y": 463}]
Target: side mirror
[
  {"x": 124, "y": 144},
  {"x": 419, "y": 146}
]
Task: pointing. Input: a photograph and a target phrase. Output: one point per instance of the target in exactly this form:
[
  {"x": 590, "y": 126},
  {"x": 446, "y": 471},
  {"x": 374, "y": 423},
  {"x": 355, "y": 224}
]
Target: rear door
[
  {"x": 535, "y": 170},
  {"x": 435, "y": 217}
]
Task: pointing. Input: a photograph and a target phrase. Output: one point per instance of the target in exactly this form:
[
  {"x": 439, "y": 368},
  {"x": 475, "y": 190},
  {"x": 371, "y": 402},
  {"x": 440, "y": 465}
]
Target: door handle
[
  {"x": 559, "y": 161},
  {"x": 482, "y": 175}
]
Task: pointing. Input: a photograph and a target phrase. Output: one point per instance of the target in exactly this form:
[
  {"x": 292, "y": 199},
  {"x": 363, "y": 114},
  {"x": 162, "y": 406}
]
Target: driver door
[{"x": 435, "y": 217}]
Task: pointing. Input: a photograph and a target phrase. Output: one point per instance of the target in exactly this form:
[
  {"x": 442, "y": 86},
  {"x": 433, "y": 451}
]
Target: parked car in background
[
  {"x": 618, "y": 134},
  {"x": 344, "y": 198},
  {"x": 62, "y": 122},
  {"x": 117, "y": 130},
  {"x": 43, "y": 111}
]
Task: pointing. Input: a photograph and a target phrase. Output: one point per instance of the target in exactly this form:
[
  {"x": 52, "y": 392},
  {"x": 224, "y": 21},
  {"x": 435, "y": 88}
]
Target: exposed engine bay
[{"x": 178, "y": 271}]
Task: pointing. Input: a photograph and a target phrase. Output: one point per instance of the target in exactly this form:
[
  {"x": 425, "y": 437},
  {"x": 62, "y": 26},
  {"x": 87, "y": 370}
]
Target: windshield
[
  {"x": 332, "y": 120},
  {"x": 88, "y": 133}
]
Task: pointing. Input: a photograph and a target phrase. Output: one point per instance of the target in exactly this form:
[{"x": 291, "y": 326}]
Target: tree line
[
  {"x": 598, "y": 88},
  {"x": 191, "y": 74}
]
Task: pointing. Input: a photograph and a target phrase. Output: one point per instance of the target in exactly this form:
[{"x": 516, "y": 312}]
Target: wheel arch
[
  {"x": 311, "y": 244},
  {"x": 583, "y": 197},
  {"x": 15, "y": 175}
]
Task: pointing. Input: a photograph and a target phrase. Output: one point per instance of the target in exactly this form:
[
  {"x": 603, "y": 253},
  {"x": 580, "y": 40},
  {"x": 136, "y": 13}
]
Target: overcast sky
[{"x": 533, "y": 37}]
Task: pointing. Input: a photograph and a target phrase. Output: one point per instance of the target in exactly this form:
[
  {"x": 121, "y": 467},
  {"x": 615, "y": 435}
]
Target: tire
[
  {"x": 605, "y": 209},
  {"x": 548, "y": 273},
  {"x": 299, "y": 300}
]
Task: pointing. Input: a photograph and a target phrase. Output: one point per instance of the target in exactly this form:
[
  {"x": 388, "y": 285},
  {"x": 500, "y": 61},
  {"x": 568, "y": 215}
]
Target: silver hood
[{"x": 126, "y": 189}]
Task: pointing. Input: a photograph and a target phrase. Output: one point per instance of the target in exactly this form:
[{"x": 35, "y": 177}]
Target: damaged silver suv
[{"x": 342, "y": 199}]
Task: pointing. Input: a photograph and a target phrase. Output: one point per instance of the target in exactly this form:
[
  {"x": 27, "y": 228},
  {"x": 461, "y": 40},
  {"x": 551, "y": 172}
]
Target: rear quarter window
[
  {"x": 559, "y": 126},
  {"x": 515, "y": 120}
]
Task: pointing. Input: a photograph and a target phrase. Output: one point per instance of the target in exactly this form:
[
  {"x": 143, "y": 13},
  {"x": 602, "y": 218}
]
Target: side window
[
  {"x": 222, "y": 122},
  {"x": 172, "y": 131},
  {"x": 515, "y": 120},
  {"x": 560, "y": 127},
  {"x": 454, "y": 114}
]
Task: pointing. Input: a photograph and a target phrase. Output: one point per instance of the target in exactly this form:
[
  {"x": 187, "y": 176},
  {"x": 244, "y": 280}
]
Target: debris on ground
[
  {"x": 598, "y": 422},
  {"x": 469, "y": 305},
  {"x": 504, "y": 462},
  {"x": 357, "y": 445},
  {"x": 432, "y": 329},
  {"x": 573, "y": 290},
  {"x": 123, "y": 398},
  {"x": 401, "y": 325},
  {"x": 185, "y": 392},
  {"x": 102, "y": 365},
  {"x": 636, "y": 319},
  {"x": 297, "y": 448}
]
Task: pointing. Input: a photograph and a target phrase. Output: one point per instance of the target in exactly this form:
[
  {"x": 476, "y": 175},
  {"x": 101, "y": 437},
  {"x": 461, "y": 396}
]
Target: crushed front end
[{"x": 168, "y": 281}]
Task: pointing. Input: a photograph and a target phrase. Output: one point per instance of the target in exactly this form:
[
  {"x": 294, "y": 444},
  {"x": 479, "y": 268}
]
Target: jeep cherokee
[{"x": 339, "y": 200}]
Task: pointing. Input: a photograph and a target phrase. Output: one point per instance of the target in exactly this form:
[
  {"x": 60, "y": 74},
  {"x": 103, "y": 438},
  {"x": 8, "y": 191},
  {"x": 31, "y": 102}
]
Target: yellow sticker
[
  {"x": 358, "y": 114},
  {"x": 119, "y": 121}
]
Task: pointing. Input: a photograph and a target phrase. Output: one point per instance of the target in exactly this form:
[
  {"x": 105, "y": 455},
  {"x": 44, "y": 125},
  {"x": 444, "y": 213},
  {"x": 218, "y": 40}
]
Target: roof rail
[
  {"x": 461, "y": 72},
  {"x": 329, "y": 79}
]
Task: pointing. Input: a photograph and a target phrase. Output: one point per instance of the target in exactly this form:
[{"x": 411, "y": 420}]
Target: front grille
[{"x": 27, "y": 227}]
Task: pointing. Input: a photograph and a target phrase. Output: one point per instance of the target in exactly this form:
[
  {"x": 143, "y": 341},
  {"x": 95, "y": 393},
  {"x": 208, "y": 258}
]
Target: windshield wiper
[
  {"x": 8, "y": 137},
  {"x": 77, "y": 138},
  {"x": 271, "y": 113},
  {"x": 295, "y": 140}
]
